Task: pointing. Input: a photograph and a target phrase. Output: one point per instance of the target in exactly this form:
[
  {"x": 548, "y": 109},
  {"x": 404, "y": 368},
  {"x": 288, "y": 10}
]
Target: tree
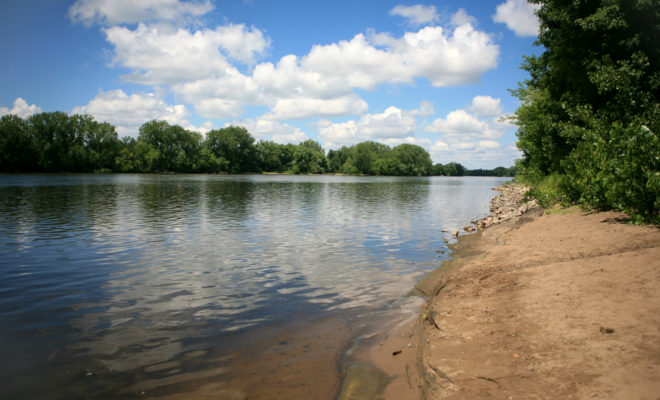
[
  {"x": 94, "y": 147},
  {"x": 235, "y": 145},
  {"x": 178, "y": 149},
  {"x": 309, "y": 158},
  {"x": 591, "y": 108},
  {"x": 268, "y": 155},
  {"x": 17, "y": 150},
  {"x": 415, "y": 160},
  {"x": 363, "y": 158},
  {"x": 337, "y": 158}
]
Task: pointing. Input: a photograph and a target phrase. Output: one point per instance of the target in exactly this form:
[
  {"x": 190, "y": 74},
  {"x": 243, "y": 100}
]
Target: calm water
[{"x": 141, "y": 284}]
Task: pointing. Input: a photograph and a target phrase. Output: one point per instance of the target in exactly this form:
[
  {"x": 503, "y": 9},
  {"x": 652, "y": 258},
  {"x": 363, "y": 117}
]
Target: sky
[{"x": 436, "y": 74}]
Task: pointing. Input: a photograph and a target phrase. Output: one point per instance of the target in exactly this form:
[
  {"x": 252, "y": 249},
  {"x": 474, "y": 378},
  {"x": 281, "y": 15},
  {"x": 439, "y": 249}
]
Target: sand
[{"x": 556, "y": 305}]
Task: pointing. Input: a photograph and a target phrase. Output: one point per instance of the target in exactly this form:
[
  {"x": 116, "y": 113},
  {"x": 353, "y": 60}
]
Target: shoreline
[
  {"x": 556, "y": 304},
  {"x": 387, "y": 365}
]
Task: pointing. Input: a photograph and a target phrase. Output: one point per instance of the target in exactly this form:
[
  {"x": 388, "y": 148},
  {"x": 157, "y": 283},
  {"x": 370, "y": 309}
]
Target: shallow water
[{"x": 138, "y": 285}]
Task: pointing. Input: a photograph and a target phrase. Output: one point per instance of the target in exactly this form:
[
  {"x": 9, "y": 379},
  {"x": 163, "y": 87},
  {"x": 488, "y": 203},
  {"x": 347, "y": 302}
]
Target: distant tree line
[{"x": 57, "y": 142}]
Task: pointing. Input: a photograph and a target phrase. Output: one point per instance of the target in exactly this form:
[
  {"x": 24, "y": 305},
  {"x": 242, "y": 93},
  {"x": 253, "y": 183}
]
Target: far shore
[{"x": 557, "y": 304}]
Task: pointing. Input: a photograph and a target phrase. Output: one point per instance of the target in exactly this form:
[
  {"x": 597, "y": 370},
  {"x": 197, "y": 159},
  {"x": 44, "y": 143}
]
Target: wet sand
[{"x": 560, "y": 305}]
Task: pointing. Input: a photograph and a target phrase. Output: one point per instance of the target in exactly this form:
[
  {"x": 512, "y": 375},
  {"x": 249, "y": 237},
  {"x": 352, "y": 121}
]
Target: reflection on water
[{"x": 148, "y": 282}]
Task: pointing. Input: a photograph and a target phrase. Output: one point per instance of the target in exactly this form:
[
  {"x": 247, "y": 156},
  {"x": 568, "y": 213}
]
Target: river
[{"x": 186, "y": 286}]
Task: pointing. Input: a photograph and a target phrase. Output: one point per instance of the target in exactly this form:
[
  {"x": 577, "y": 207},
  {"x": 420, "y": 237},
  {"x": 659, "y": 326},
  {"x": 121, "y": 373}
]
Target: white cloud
[
  {"x": 288, "y": 78},
  {"x": 446, "y": 58},
  {"x": 419, "y": 141},
  {"x": 461, "y": 123},
  {"x": 439, "y": 146},
  {"x": 462, "y": 17},
  {"x": 21, "y": 109},
  {"x": 477, "y": 155},
  {"x": 115, "y": 12},
  {"x": 199, "y": 67},
  {"x": 486, "y": 106},
  {"x": 416, "y": 15},
  {"x": 473, "y": 137},
  {"x": 426, "y": 109},
  {"x": 304, "y": 107},
  {"x": 222, "y": 97},
  {"x": 162, "y": 56},
  {"x": 392, "y": 126},
  {"x": 357, "y": 63},
  {"x": 518, "y": 15},
  {"x": 272, "y": 130},
  {"x": 488, "y": 144},
  {"x": 128, "y": 113}
]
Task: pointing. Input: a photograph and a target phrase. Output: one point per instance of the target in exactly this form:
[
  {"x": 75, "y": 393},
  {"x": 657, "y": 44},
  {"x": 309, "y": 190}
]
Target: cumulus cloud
[
  {"x": 445, "y": 57},
  {"x": 462, "y": 17},
  {"x": 116, "y": 12},
  {"x": 222, "y": 97},
  {"x": 21, "y": 109},
  {"x": 161, "y": 56},
  {"x": 483, "y": 122},
  {"x": 272, "y": 130},
  {"x": 416, "y": 15},
  {"x": 462, "y": 123},
  {"x": 304, "y": 107},
  {"x": 486, "y": 106},
  {"x": 392, "y": 126},
  {"x": 518, "y": 15},
  {"x": 419, "y": 141},
  {"x": 477, "y": 155},
  {"x": 199, "y": 66},
  {"x": 473, "y": 136},
  {"x": 128, "y": 112},
  {"x": 488, "y": 144}
]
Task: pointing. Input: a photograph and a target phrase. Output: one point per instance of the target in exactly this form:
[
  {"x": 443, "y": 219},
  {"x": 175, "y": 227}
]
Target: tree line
[
  {"x": 57, "y": 142},
  {"x": 589, "y": 118}
]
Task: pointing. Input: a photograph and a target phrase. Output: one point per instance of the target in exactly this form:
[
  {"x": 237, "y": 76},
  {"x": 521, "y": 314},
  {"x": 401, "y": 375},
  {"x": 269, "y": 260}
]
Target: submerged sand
[{"x": 560, "y": 305}]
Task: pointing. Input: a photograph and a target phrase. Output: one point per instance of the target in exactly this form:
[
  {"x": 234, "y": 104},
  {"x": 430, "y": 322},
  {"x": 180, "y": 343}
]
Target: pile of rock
[{"x": 507, "y": 205}]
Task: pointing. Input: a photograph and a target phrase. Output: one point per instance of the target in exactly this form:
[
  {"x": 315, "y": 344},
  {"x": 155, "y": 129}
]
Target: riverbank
[{"x": 562, "y": 304}]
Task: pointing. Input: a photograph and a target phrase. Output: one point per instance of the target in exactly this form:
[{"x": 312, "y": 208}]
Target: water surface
[{"x": 139, "y": 285}]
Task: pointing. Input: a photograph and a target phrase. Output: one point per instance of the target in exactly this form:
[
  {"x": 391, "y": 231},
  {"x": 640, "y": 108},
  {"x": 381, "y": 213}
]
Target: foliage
[
  {"x": 17, "y": 149},
  {"x": 235, "y": 145},
  {"x": 56, "y": 142},
  {"x": 550, "y": 191},
  {"x": 591, "y": 108},
  {"x": 449, "y": 169},
  {"x": 177, "y": 149}
]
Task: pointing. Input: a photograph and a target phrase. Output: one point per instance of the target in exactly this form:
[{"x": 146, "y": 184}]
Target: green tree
[
  {"x": 52, "y": 138},
  {"x": 94, "y": 147},
  {"x": 137, "y": 156},
  {"x": 178, "y": 149},
  {"x": 268, "y": 156},
  {"x": 17, "y": 150},
  {"x": 337, "y": 158},
  {"x": 591, "y": 108},
  {"x": 309, "y": 158},
  {"x": 236, "y": 146},
  {"x": 364, "y": 156},
  {"x": 414, "y": 159}
]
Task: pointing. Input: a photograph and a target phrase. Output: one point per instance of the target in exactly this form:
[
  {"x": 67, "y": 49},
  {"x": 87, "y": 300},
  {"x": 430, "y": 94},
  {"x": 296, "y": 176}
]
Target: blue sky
[{"x": 435, "y": 73}]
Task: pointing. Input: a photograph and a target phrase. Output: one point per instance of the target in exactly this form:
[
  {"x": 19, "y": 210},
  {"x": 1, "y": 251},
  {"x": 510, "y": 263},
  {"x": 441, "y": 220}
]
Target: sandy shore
[{"x": 564, "y": 304}]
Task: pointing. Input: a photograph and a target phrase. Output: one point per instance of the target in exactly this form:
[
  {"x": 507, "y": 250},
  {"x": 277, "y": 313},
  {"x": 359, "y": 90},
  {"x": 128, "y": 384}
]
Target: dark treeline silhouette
[{"x": 57, "y": 142}]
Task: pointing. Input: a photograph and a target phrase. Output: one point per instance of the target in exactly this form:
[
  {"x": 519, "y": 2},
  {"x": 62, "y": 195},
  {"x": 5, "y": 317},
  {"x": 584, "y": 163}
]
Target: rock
[
  {"x": 468, "y": 228},
  {"x": 455, "y": 233},
  {"x": 507, "y": 205}
]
